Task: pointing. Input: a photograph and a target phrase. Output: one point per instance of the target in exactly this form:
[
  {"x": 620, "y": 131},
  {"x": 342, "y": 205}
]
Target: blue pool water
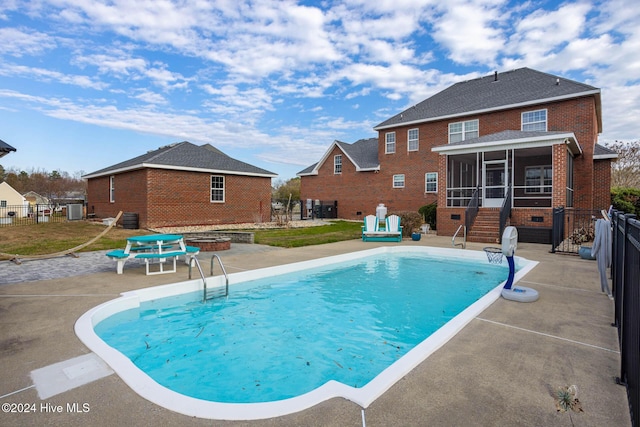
[{"x": 286, "y": 335}]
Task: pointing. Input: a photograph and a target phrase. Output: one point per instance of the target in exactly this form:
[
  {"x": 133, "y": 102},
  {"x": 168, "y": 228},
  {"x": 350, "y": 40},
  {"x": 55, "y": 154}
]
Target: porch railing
[
  {"x": 460, "y": 196},
  {"x": 471, "y": 211},
  {"x": 505, "y": 210}
]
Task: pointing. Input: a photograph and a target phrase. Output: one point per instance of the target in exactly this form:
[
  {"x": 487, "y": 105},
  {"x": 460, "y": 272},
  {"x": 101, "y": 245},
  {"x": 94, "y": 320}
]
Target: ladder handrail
[
  {"x": 464, "y": 241},
  {"x": 224, "y": 271},
  {"x": 194, "y": 260}
]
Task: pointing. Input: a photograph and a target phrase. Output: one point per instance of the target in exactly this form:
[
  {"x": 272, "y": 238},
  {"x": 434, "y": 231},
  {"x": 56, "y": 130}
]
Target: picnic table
[{"x": 153, "y": 249}]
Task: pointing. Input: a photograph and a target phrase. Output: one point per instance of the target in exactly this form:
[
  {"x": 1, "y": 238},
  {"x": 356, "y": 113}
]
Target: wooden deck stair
[{"x": 486, "y": 227}]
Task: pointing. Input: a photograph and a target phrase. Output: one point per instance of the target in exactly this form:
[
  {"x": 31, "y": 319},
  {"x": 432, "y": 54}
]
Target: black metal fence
[
  {"x": 14, "y": 215},
  {"x": 572, "y": 228},
  {"x": 625, "y": 274}
]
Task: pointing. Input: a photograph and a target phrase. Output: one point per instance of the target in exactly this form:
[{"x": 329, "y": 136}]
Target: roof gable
[
  {"x": 8, "y": 191},
  {"x": 498, "y": 91},
  {"x": 185, "y": 156},
  {"x": 363, "y": 154}
]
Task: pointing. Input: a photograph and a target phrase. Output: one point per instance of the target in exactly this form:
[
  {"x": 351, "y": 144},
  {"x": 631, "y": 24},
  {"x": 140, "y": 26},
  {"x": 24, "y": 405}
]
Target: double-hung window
[
  {"x": 112, "y": 189},
  {"x": 390, "y": 142},
  {"x": 217, "y": 188},
  {"x": 534, "y": 121},
  {"x": 337, "y": 164},
  {"x": 412, "y": 140},
  {"x": 398, "y": 181},
  {"x": 538, "y": 179},
  {"x": 462, "y": 131},
  {"x": 431, "y": 182}
]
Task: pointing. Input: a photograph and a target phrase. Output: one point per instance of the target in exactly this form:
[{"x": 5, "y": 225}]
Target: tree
[
  {"x": 283, "y": 190},
  {"x": 625, "y": 171},
  {"x": 54, "y": 185}
]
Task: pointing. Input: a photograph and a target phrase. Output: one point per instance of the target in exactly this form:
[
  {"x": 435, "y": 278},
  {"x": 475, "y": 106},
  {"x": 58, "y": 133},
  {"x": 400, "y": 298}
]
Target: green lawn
[
  {"x": 49, "y": 238},
  {"x": 295, "y": 237}
]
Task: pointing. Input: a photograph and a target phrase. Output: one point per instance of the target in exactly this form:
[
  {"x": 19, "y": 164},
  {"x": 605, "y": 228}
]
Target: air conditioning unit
[{"x": 74, "y": 212}]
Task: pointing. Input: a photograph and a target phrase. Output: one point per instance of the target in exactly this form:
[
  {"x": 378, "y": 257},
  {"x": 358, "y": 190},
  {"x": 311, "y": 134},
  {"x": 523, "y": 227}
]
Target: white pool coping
[{"x": 146, "y": 387}]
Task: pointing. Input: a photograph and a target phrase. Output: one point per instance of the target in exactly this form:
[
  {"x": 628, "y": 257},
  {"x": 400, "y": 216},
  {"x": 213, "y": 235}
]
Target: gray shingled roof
[
  {"x": 512, "y": 88},
  {"x": 5, "y": 148},
  {"x": 602, "y": 152},
  {"x": 511, "y": 136},
  {"x": 363, "y": 153},
  {"x": 506, "y": 135},
  {"x": 186, "y": 156}
]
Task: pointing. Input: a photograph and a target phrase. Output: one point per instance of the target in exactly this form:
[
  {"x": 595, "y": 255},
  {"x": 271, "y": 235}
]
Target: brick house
[
  {"x": 521, "y": 142},
  {"x": 182, "y": 184}
]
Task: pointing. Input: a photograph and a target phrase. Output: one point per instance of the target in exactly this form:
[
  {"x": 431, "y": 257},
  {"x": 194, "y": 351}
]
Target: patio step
[{"x": 486, "y": 227}]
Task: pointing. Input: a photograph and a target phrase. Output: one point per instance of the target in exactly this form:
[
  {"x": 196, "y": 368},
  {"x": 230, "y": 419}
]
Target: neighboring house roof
[
  {"x": 187, "y": 157},
  {"x": 499, "y": 91},
  {"x": 5, "y": 148},
  {"x": 362, "y": 153},
  {"x": 600, "y": 152},
  {"x": 37, "y": 198},
  {"x": 511, "y": 139}
]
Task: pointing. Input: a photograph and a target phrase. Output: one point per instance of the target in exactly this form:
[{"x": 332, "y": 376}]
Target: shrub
[
  {"x": 410, "y": 221},
  {"x": 626, "y": 199},
  {"x": 428, "y": 213}
]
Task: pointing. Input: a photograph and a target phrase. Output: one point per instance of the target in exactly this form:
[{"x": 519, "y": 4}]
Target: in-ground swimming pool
[{"x": 346, "y": 326}]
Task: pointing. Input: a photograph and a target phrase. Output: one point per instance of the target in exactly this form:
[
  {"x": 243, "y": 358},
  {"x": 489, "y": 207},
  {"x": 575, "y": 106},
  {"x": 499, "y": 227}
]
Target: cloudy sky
[{"x": 85, "y": 84}]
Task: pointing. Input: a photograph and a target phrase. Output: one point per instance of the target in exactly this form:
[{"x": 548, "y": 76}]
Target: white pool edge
[{"x": 146, "y": 387}]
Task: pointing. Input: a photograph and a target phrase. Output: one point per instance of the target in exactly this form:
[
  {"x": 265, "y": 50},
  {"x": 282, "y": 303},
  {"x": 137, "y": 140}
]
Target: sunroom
[{"x": 518, "y": 169}]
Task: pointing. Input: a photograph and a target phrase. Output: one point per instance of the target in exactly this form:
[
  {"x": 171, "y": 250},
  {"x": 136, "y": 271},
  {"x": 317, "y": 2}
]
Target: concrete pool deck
[{"x": 502, "y": 369}]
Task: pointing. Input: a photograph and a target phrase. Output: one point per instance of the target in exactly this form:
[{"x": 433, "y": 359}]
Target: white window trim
[
  {"x": 541, "y": 186},
  {"x": 337, "y": 164},
  {"x": 426, "y": 182},
  {"x": 224, "y": 189},
  {"x": 394, "y": 180},
  {"x": 417, "y": 140},
  {"x": 546, "y": 119},
  {"x": 112, "y": 189},
  {"x": 464, "y": 129},
  {"x": 387, "y": 143}
]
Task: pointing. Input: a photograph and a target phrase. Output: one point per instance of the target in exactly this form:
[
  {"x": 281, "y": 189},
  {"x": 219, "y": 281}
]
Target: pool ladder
[
  {"x": 206, "y": 295},
  {"x": 463, "y": 245}
]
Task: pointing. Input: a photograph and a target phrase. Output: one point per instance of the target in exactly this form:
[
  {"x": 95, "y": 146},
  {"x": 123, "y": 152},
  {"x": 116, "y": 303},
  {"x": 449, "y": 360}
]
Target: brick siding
[
  {"x": 358, "y": 193},
  {"x": 164, "y": 198}
]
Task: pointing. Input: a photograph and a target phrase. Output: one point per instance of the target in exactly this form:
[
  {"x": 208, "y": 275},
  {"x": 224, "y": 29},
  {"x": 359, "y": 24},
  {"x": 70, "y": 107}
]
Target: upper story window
[
  {"x": 462, "y": 131},
  {"x": 412, "y": 140},
  {"x": 431, "y": 182},
  {"x": 534, "y": 121},
  {"x": 390, "y": 143},
  {"x": 398, "y": 181},
  {"x": 3, "y": 203},
  {"x": 337, "y": 164},
  {"x": 217, "y": 188},
  {"x": 112, "y": 189}
]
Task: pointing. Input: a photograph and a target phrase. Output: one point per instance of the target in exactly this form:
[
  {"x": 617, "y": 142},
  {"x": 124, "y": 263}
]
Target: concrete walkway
[{"x": 502, "y": 369}]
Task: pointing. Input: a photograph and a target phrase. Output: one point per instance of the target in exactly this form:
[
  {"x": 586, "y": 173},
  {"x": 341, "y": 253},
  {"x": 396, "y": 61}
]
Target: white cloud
[
  {"x": 17, "y": 42},
  {"x": 470, "y": 30}
]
